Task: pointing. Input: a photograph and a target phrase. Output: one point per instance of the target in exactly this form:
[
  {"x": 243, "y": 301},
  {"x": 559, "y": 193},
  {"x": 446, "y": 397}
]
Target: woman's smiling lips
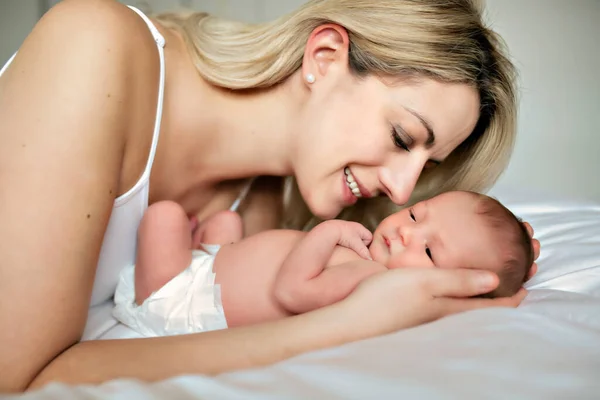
[
  {"x": 349, "y": 198},
  {"x": 355, "y": 186}
]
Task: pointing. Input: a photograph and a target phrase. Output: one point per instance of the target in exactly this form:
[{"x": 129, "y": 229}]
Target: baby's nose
[{"x": 405, "y": 235}]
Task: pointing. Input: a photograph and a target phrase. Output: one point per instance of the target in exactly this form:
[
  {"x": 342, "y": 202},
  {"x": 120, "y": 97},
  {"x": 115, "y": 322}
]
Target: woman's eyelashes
[{"x": 400, "y": 138}]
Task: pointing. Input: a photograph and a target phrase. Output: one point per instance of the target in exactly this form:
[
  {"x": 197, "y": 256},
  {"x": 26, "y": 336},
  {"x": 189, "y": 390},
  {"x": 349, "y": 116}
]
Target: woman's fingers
[
  {"x": 529, "y": 228},
  {"x": 403, "y": 298},
  {"x": 459, "y": 282},
  {"x": 532, "y": 271},
  {"x": 450, "y": 306},
  {"x": 536, "y": 248},
  {"x": 535, "y": 243}
]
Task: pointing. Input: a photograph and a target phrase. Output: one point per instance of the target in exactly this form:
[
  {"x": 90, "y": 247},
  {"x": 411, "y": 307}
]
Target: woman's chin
[{"x": 324, "y": 212}]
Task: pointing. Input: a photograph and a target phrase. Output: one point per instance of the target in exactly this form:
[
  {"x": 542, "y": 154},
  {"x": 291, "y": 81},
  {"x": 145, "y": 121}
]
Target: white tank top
[{"x": 120, "y": 239}]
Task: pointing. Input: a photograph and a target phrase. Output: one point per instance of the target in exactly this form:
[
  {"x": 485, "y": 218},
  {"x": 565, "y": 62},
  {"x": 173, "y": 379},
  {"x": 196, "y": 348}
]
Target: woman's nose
[{"x": 399, "y": 183}]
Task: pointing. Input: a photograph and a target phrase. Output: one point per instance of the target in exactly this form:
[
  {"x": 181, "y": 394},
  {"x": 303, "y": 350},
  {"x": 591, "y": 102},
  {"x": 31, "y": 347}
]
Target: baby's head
[{"x": 457, "y": 230}]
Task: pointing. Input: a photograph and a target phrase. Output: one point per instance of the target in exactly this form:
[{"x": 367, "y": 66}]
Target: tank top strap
[
  {"x": 242, "y": 195},
  {"x": 160, "y": 44},
  {"x": 5, "y": 67}
]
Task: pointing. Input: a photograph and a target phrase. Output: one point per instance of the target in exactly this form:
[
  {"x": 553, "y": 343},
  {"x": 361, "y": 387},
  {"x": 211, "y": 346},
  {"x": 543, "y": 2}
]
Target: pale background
[{"x": 555, "y": 44}]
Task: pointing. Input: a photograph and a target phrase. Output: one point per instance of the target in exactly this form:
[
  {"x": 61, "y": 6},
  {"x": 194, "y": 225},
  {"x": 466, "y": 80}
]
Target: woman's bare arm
[
  {"x": 387, "y": 302},
  {"x": 63, "y": 105},
  {"x": 210, "y": 353}
]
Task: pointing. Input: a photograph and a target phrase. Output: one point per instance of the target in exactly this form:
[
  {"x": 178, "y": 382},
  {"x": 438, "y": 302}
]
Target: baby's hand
[{"x": 351, "y": 235}]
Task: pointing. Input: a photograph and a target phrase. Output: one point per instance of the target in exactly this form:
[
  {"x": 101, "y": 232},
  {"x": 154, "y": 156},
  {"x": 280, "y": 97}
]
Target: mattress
[{"x": 547, "y": 348}]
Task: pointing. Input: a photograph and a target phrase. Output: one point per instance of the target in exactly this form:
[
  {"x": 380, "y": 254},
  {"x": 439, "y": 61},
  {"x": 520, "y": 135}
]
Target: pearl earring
[{"x": 310, "y": 78}]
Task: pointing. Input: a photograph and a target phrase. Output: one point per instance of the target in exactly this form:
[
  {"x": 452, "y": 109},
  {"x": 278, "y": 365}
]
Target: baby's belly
[{"x": 246, "y": 272}]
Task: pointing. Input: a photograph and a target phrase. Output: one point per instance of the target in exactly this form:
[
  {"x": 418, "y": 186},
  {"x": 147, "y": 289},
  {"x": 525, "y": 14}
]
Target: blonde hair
[{"x": 443, "y": 40}]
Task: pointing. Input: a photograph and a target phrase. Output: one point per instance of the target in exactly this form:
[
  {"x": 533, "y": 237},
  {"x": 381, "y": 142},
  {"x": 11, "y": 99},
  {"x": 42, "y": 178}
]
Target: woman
[{"x": 355, "y": 99}]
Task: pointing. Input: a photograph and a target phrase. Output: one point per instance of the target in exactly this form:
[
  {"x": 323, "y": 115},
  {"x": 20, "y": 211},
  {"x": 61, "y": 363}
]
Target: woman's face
[{"x": 363, "y": 137}]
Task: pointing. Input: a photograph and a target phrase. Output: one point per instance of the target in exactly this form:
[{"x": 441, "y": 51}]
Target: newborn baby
[{"x": 180, "y": 285}]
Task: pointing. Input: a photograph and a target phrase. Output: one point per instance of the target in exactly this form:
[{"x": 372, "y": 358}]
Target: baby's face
[{"x": 443, "y": 232}]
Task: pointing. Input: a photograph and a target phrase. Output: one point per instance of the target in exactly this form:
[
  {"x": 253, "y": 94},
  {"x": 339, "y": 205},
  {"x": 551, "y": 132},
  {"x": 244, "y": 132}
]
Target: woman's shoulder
[
  {"x": 94, "y": 51},
  {"x": 88, "y": 67},
  {"x": 100, "y": 17},
  {"x": 106, "y": 27}
]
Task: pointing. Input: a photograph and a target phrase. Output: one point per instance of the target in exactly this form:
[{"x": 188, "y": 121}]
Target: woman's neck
[
  {"x": 216, "y": 135},
  {"x": 243, "y": 135}
]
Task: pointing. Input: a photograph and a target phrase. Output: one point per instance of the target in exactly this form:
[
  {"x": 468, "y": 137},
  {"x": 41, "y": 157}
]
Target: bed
[{"x": 548, "y": 348}]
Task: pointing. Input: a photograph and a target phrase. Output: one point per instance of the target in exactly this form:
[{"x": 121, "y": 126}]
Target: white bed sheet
[{"x": 548, "y": 348}]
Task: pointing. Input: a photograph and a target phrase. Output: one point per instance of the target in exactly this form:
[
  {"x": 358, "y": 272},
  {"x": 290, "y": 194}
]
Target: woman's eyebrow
[{"x": 430, "y": 133}]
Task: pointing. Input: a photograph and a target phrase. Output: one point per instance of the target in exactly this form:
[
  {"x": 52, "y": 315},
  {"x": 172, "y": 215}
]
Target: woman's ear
[{"x": 327, "y": 46}]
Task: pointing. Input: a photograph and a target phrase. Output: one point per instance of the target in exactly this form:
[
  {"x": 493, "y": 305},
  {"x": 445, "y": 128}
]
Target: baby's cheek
[{"x": 409, "y": 260}]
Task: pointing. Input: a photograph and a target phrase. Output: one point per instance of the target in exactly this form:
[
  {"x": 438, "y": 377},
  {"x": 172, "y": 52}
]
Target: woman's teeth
[{"x": 351, "y": 182}]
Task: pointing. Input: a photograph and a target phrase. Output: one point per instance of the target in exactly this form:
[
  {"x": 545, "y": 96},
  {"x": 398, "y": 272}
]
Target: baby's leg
[
  {"x": 164, "y": 247},
  {"x": 222, "y": 228}
]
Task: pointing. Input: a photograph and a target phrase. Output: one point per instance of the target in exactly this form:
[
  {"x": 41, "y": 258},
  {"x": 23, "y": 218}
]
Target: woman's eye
[
  {"x": 398, "y": 142},
  {"x": 412, "y": 215},
  {"x": 428, "y": 253}
]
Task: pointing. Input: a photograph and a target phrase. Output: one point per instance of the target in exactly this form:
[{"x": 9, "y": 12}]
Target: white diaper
[{"x": 188, "y": 303}]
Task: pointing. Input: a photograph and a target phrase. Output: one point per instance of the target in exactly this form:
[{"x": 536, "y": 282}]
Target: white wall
[
  {"x": 17, "y": 18},
  {"x": 553, "y": 42},
  {"x": 556, "y": 46}
]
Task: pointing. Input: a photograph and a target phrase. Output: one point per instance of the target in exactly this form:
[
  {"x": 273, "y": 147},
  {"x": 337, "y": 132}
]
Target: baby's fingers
[
  {"x": 357, "y": 243},
  {"x": 360, "y": 248},
  {"x": 365, "y": 235}
]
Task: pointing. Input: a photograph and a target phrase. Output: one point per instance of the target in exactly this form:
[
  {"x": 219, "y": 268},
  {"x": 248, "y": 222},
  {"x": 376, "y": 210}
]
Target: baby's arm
[
  {"x": 164, "y": 247},
  {"x": 303, "y": 283},
  {"x": 222, "y": 228}
]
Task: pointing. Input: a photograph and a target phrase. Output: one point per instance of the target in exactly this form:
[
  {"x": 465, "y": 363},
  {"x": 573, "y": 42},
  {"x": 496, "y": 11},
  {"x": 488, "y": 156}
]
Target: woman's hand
[
  {"x": 403, "y": 298},
  {"x": 536, "y": 250}
]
